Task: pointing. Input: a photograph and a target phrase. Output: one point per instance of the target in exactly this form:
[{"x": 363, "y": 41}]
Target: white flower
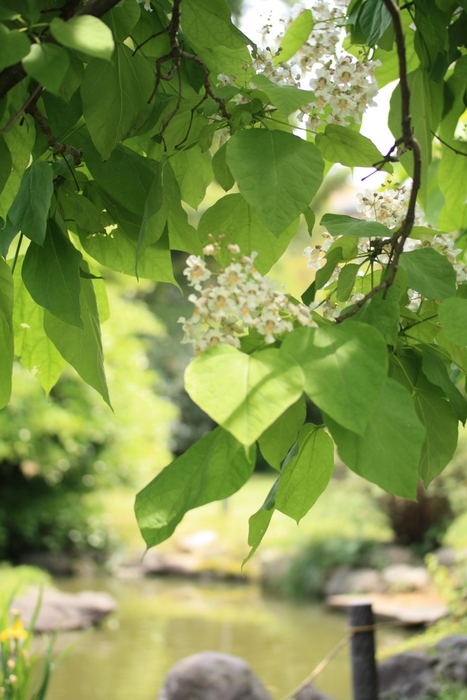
[{"x": 147, "y": 4}]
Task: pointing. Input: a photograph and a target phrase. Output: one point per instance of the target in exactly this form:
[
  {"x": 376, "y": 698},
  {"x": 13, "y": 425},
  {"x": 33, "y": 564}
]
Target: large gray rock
[
  {"x": 211, "y": 675},
  {"x": 346, "y": 580},
  {"x": 65, "y": 611},
  {"x": 410, "y": 675},
  {"x": 309, "y": 692},
  {"x": 453, "y": 659},
  {"x": 402, "y": 577}
]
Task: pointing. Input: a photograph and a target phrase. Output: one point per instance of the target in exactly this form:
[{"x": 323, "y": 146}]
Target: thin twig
[
  {"x": 175, "y": 55},
  {"x": 409, "y": 141},
  {"x": 15, "y": 260},
  {"x": 32, "y": 98},
  {"x": 459, "y": 153},
  {"x": 58, "y": 147}
]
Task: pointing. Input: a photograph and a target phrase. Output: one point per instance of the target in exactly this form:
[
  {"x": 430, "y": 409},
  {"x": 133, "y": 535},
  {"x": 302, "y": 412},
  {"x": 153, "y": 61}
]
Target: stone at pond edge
[
  {"x": 212, "y": 675},
  {"x": 65, "y": 611}
]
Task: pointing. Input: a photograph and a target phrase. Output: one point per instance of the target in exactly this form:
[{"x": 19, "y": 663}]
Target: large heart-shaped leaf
[
  {"x": 277, "y": 173},
  {"x": 244, "y": 393}
]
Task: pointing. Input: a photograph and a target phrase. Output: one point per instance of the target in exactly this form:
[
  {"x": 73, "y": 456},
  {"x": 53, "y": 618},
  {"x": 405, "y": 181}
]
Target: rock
[
  {"x": 453, "y": 659},
  {"x": 408, "y": 675},
  {"x": 309, "y": 692},
  {"x": 402, "y": 577},
  {"x": 212, "y": 675},
  {"x": 389, "y": 554},
  {"x": 65, "y": 611},
  {"x": 445, "y": 556},
  {"x": 346, "y": 580}
]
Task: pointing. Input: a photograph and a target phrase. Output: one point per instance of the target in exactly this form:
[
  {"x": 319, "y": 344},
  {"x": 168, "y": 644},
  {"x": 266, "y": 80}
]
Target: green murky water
[{"x": 159, "y": 621}]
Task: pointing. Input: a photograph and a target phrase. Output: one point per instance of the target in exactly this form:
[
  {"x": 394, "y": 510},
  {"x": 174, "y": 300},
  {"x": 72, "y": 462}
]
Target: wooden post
[{"x": 362, "y": 645}]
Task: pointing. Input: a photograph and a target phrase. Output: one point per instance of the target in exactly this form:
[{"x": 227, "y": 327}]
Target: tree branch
[
  {"x": 409, "y": 141},
  {"x": 451, "y": 148},
  {"x": 175, "y": 55},
  {"x": 13, "y": 75},
  {"x": 58, "y": 147}
]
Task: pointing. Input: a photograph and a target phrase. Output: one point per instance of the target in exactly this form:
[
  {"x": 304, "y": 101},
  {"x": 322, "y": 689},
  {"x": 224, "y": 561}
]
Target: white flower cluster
[
  {"x": 236, "y": 299},
  {"x": 388, "y": 207},
  {"x": 444, "y": 243},
  {"x": 323, "y": 42},
  {"x": 316, "y": 255},
  {"x": 343, "y": 88}
]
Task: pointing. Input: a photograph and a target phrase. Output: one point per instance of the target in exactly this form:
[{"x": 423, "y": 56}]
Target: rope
[{"x": 350, "y": 633}]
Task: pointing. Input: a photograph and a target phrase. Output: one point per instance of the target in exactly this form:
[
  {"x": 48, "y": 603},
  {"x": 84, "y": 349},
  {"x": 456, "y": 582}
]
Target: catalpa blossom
[
  {"x": 388, "y": 207},
  {"x": 236, "y": 299},
  {"x": 147, "y": 4}
]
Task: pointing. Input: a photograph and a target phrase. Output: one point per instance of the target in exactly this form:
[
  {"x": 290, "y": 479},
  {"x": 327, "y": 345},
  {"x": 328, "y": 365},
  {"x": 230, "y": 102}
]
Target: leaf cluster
[{"x": 113, "y": 123}]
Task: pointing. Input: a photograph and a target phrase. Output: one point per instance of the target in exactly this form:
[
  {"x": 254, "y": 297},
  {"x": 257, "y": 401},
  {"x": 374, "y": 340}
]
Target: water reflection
[{"x": 160, "y": 621}]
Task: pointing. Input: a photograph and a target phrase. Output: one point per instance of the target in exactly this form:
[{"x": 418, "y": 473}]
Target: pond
[{"x": 160, "y": 621}]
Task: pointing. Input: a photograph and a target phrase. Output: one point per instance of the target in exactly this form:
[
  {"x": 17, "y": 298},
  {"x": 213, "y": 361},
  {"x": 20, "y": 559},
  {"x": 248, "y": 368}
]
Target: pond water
[{"x": 159, "y": 621}]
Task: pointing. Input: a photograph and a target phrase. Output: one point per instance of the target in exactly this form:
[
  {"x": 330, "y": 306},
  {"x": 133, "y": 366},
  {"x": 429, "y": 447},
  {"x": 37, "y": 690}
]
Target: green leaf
[
  {"x": 126, "y": 175},
  {"x": 276, "y": 441},
  {"x": 214, "y": 468},
  {"x": 452, "y": 175},
  {"x": 82, "y": 347},
  {"x": 382, "y": 312},
  {"x": 84, "y": 33},
  {"x": 30, "y": 208},
  {"x": 245, "y": 394},
  {"x": 48, "y": 64},
  {"x": 81, "y": 210},
  {"x": 207, "y": 22},
  {"x": 295, "y": 36},
  {"x": 345, "y": 248},
  {"x": 259, "y": 523},
  {"x": 231, "y": 216},
  {"x": 15, "y": 46},
  {"x": 435, "y": 370},
  {"x": 51, "y": 275},
  {"x": 193, "y": 171},
  {"x": 122, "y": 19},
  {"x": 5, "y": 163},
  {"x": 345, "y": 370},
  {"x": 277, "y": 173},
  {"x": 287, "y": 98},
  {"x": 342, "y": 225},
  {"x": 339, "y": 144},
  {"x": 374, "y": 19},
  {"x": 155, "y": 215},
  {"x": 221, "y": 170},
  {"x": 20, "y": 141},
  {"x": 453, "y": 318},
  {"x": 441, "y": 429},
  {"x": 6, "y": 331},
  {"x": 310, "y": 220},
  {"x": 33, "y": 347},
  {"x": 426, "y": 102},
  {"x": 389, "y": 68},
  {"x": 115, "y": 97},
  {"x": 305, "y": 476},
  {"x": 182, "y": 235},
  {"x": 388, "y": 452},
  {"x": 346, "y": 281},
  {"x": 429, "y": 273}
]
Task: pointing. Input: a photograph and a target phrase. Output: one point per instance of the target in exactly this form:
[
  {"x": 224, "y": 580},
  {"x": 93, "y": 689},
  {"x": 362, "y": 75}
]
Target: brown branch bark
[
  {"x": 13, "y": 75},
  {"x": 58, "y": 147},
  {"x": 409, "y": 141}
]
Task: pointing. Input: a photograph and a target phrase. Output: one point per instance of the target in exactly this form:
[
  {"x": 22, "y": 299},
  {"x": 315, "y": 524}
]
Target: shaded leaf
[
  {"x": 453, "y": 318},
  {"x": 48, "y": 64},
  {"x": 388, "y": 452},
  {"x": 276, "y": 441},
  {"x": 345, "y": 370},
  {"x": 30, "y": 208},
  {"x": 6, "y": 331},
  {"x": 51, "y": 275},
  {"x": 342, "y": 225},
  {"x": 429, "y": 273}
]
